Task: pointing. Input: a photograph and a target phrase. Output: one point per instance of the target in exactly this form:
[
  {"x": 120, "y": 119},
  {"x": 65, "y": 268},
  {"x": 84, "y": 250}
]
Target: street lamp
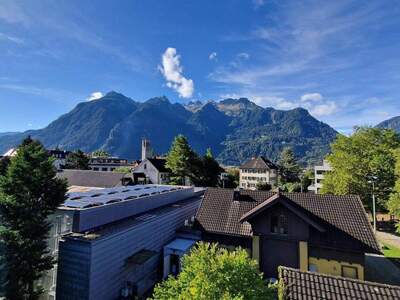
[{"x": 373, "y": 179}]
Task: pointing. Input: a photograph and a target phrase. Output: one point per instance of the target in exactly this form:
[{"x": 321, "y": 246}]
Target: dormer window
[{"x": 279, "y": 224}]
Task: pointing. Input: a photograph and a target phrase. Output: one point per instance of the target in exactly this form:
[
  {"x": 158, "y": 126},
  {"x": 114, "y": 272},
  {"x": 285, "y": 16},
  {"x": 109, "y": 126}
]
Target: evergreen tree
[
  {"x": 205, "y": 170},
  {"x": 4, "y": 162},
  {"x": 355, "y": 159},
  {"x": 77, "y": 160},
  {"x": 180, "y": 160},
  {"x": 289, "y": 168},
  {"x": 29, "y": 194}
]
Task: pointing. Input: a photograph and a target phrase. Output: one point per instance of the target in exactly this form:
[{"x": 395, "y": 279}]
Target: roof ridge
[{"x": 340, "y": 277}]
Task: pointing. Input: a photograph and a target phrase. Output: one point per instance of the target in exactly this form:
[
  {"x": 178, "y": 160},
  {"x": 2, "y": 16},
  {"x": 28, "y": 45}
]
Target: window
[
  {"x": 312, "y": 268},
  {"x": 145, "y": 166},
  {"x": 349, "y": 272},
  {"x": 279, "y": 224}
]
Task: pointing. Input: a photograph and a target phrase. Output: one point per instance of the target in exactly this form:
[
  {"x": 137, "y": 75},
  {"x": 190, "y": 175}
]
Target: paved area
[
  {"x": 380, "y": 269},
  {"x": 388, "y": 238}
]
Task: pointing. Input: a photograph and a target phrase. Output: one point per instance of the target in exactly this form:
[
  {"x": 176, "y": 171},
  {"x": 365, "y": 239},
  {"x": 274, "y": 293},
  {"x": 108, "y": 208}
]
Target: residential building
[
  {"x": 305, "y": 285},
  {"x": 322, "y": 233},
  {"x": 94, "y": 179},
  {"x": 111, "y": 243},
  {"x": 257, "y": 170},
  {"x": 152, "y": 170},
  {"x": 109, "y": 164},
  {"x": 319, "y": 175},
  {"x": 60, "y": 157}
]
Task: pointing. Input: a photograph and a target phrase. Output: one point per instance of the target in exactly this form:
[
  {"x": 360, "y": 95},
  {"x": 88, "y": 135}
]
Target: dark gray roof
[
  {"x": 259, "y": 163},
  {"x": 91, "y": 178},
  {"x": 159, "y": 164},
  {"x": 343, "y": 217},
  {"x": 311, "y": 286}
]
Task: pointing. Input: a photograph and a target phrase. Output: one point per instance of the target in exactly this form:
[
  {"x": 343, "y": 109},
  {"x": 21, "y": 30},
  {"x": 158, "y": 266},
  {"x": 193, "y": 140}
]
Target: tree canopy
[
  {"x": 210, "y": 272},
  {"x": 29, "y": 194},
  {"x": 185, "y": 163},
  {"x": 289, "y": 168},
  {"x": 100, "y": 153},
  {"x": 367, "y": 153},
  {"x": 77, "y": 160},
  {"x": 394, "y": 200},
  {"x": 179, "y": 160},
  {"x": 205, "y": 170}
]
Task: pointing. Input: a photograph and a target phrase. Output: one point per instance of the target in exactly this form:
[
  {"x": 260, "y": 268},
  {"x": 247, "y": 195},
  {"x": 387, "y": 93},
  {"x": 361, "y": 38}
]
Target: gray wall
[
  {"x": 107, "y": 255},
  {"x": 89, "y": 218}
]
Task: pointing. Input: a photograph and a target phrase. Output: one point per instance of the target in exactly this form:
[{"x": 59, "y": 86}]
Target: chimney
[{"x": 146, "y": 151}]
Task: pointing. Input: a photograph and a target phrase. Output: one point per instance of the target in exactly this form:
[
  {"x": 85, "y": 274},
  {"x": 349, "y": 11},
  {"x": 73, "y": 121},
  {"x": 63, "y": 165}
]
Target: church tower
[{"x": 146, "y": 150}]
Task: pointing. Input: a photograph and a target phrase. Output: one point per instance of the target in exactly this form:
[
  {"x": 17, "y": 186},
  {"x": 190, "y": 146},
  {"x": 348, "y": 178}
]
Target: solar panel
[{"x": 114, "y": 195}]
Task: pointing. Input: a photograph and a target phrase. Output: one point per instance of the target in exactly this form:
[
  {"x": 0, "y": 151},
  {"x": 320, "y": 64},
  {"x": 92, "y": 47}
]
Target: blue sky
[{"x": 339, "y": 59}]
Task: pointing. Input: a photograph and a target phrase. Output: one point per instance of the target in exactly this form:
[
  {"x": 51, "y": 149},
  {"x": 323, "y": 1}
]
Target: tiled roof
[
  {"x": 343, "y": 216},
  {"x": 258, "y": 163},
  {"x": 312, "y": 286},
  {"x": 91, "y": 178}
]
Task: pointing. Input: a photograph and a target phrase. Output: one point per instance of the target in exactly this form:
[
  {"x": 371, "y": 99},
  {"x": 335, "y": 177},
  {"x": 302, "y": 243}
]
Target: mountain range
[
  {"x": 392, "y": 123},
  {"x": 235, "y": 129}
]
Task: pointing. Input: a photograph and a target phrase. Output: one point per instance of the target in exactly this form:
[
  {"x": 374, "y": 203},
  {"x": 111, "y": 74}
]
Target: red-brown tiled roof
[
  {"x": 344, "y": 216},
  {"x": 300, "y": 285},
  {"x": 258, "y": 163}
]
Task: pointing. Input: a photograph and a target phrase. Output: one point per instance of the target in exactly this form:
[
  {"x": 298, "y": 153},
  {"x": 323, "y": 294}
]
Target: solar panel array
[{"x": 116, "y": 194}]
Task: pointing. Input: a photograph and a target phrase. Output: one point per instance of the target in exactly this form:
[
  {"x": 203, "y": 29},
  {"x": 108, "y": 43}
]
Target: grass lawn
[{"x": 390, "y": 251}]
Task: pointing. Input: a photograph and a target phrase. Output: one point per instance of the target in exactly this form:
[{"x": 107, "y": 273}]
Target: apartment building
[
  {"x": 109, "y": 164},
  {"x": 319, "y": 175},
  {"x": 257, "y": 170}
]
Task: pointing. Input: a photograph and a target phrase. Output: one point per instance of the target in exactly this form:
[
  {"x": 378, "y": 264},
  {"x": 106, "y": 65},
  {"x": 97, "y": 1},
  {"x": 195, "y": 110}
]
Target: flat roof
[
  {"x": 99, "y": 197},
  {"x": 181, "y": 244},
  {"x": 130, "y": 222}
]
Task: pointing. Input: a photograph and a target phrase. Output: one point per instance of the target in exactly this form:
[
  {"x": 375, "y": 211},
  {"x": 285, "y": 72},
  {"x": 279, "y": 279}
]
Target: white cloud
[
  {"x": 212, "y": 56},
  {"x": 311, "y": 97},
  {"x": 258, "y": 3},
  {"x": 324, "y": 109},
  {"x": 243, "y": 55},
  {"x": 317, "y": 105},
  {"x": 10, "y": 38},
  {"x": 172, "y": 70},
  {"x": 11, "y": 12},
  {"x": 94, "y": 96}
]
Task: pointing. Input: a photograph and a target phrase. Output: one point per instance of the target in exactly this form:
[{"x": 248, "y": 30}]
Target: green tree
[
  {"x": 263, "y": 186},
  {"x": 306, "y": 179},
  {"x": 4, "y": 162},
  {"x": 232, "y": 179},
  {"x": 356, "y": 159},
  {"x": 210, "y": 272},
  {"x": 122, "y": 170},
  {"x": 29, "y": 194},
  {"x": 394, "y": 200},
  {"x": 289, "y": 168},
  {"x": 100, "y": 153},
  {"x": 77, "y": 160},
  {"x": 180, "y": 160},
  {"x": 205, "y": 170}
]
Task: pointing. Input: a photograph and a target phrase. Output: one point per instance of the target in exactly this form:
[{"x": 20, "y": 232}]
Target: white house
[
  {"x": 152, "y": 170},
  {"x": 257, "y": 170}
]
